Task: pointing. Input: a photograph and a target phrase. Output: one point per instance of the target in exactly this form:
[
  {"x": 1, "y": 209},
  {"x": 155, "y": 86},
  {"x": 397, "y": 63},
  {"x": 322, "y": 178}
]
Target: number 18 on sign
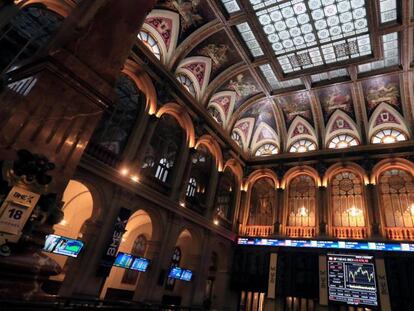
[{"x": 16, "y": 210}]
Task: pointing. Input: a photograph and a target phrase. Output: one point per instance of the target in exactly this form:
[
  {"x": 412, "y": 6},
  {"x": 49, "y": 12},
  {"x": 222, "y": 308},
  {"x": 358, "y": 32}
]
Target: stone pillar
[
  {"x": 280, "y": 207},
  {"x": 52, "y": 105},
  {"x": 322, "y": 210},
  {"x": 211, "y": 192},
  {"x": 243, "y": 209},
  {"x": 181, "y": 173},
  {"x": 139, "y": 156},
  {"x": 373, "y": 209}
]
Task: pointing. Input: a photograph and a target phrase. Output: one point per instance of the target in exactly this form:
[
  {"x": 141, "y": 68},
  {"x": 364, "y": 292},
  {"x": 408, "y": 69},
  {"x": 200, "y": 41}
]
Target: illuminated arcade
[{"x": 223, "y": 155}]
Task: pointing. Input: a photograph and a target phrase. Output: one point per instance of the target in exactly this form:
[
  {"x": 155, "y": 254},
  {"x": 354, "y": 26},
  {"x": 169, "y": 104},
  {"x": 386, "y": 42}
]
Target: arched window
[
  {"x": 302, "y": 145},
  {"x": 266, "y": 150},
  {"x": 150, "y": 42},
  {"x": 187, "y": 83},
  {"x": 301, "y": 203},
  {"x": 262, "y": 203},
  {"x": 175, "y": 262},
  {"x": 161, "y": 155},
  {"x": 112, "y": 133},
  {"x": 347, "y": 203},
  {"x": 215, "y": 114},
  {"x": 342, "y": 141},
  {"x": 237, "y": 138},
  {"x": 29, "y": 31},
  {"x": 191, "y": 188},
  {"x": 200, "y": 176},
  {"x": 226, "y": 195},
  {"x": 163, "y": 169},
  {"x": 138, "y": 249},
  {"x": 397, "y": 198},
  {"x": 388, "y": 136}
]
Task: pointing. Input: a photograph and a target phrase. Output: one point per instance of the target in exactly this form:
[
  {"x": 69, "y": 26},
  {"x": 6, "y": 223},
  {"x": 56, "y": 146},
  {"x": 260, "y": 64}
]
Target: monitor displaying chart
[{"x": 351, "y": 279}]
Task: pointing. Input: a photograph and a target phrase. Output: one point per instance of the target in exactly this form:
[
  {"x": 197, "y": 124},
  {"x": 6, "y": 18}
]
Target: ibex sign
[
  {"x": 114, "y": 241},
  {"x": 16, "y": 210}
]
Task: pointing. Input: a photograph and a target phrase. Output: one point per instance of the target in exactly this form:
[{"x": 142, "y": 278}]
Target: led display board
[
  {"x": 128, "y": 261},
  {"x": 60, "y": 245},
  {"x": 328, "y": 244},
  {"x": 180, "y": 274},
  {"x": 351, "y": 280}
]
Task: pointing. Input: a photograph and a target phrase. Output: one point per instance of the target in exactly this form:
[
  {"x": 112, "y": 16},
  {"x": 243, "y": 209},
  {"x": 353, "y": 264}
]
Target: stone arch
[
  {"x": 300, "y": 129},
  {"x": 301, "y": 170},
  {"x": 211, "y": 144},
  {"x": 333, "y": 127},
  {"x": 63, "y": 8},
  {"x": 181, "y": 115}
]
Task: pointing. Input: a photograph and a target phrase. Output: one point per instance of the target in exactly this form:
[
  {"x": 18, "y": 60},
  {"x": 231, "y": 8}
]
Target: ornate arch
[
  {"x": 300, "y": 129},
  {"x": 386, "y": 116},
  {"x": 340, "y": 123},
  {"x": 224, "y": 103},
  {"x": 300, "y": 170},
  {"x": 236, "y": 169},
  {"x": 63, "y": 8},
  {"x": 198, "y": 70},
  {"x": 164, "y": 26},
  {"x": 258, "y": 140},
  {"x": 258, "y": 174},
  {"x": 386, "y": 164},
  {"x": 244, "y": 127},
  {"x": 144, "y": 83},
  {"x": 181, "y": 115},
  {"x": 211, "y": 144}
]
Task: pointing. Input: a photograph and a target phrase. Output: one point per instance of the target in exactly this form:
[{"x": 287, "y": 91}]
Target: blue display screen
[
  {"x": 353, "y": 245},
  {"x": 128, "y": 261},
  {"x": 60, "y": 245},
  {"x": 180, "y": 274}
]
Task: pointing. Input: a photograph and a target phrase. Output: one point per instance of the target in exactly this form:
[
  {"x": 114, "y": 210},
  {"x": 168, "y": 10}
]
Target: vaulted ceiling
[{"x": 292, "y": 75}]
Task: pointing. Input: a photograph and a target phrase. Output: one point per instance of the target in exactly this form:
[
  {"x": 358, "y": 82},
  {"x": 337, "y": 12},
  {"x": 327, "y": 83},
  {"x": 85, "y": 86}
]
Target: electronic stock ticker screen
[{"x": 351, "y": 280}]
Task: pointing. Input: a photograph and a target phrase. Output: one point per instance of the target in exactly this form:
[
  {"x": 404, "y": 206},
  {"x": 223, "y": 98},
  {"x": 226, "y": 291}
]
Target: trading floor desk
[{"x": 307, "y": 275}]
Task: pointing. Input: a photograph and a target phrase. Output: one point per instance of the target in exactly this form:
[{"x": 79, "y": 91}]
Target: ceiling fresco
[{"x": 282, "y": 71}]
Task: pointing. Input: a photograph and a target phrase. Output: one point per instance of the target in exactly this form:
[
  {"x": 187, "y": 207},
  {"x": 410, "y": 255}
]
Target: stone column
[
  {"x": 322, "y": 210},
  {"x": 280, "y": 207},
  {"x": 140, "y": 153},
  {"x": 51, "y": 106},
  {"x": 211, "y": 192},
  {"x": 243, "y": 209},
  {"x": 373, "y": 209},
  {"x": 181, "y": 173},
  {"x": 201, "y": 271}
]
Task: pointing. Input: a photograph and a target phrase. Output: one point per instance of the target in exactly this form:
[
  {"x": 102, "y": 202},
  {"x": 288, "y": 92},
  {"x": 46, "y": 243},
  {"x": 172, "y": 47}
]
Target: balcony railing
[
  {"x": 394, "y": 233},
  {"x": 256, "y": 230},
  {"x": 302, "y": 232},
  {"x": 102, "y": 154},
  {"x": 350, "y": 232}
]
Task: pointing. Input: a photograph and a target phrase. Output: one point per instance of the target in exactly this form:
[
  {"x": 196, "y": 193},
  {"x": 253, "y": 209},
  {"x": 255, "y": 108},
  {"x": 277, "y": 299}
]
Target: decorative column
[
  {"x": 51, "y": 107},
  {"x": 373, "y": 209},
  {"x": 181, "y": 174},
  {"x": 280, "y": 199},
  {"x": 140, "y": 152},
  {"x": 322, "y": 210}
]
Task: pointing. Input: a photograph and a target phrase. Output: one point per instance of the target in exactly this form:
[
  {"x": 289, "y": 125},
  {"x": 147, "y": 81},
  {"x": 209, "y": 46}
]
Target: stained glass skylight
[
  {"x": 231, "y": 6},
  {"x": 333, "y": 74},
  {"x": 307, "y": 34},
  {"x": 391, "y": 54},
  {"x": 271, "y": 78},
  {"x": 250, "y": 39},
  {"x": 388, "y": 9}
]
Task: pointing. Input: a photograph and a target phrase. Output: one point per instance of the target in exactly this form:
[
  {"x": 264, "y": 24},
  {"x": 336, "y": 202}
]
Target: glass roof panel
[
  {"x": 329, "y": 75},
  {"x": 250, "y": 39},
  {"x": 388, "y": 9},
  {"x": 307, "y": 34},
  {"x": 231, "y": 6},
  {"x": 391, "y": 54},
  {"x": 274, "y": 82}
]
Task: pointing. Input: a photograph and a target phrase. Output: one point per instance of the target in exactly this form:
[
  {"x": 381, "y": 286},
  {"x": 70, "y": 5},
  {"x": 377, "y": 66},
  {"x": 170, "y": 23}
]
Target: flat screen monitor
[
  {"x": 180, "y": 274},
  {"x": 352, "y": 280},
  {"x": 61, "y": 245},
  {"x": 128, "y": 261}
]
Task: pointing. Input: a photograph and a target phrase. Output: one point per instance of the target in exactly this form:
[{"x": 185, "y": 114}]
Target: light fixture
[
  {"x": 182, "y": 204},
  {"x": 134, "y": 178},
  {"x": 411, "y": 209},
  {"x": 64, "y": 222},
  {"x": 354, "y": 211},
  {"x": 216, "y": 222},
  {"x": 303, "y": 212},
  {"x": 124, "y": 172}
]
